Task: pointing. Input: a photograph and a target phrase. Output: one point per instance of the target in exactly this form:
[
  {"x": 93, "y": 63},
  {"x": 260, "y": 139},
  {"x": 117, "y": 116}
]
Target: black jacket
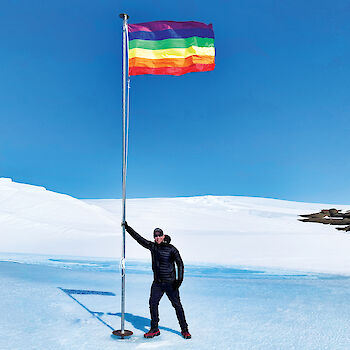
[{"x": 164, "y": 256}]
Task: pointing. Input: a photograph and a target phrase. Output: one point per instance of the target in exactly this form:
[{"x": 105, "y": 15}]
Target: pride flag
[{"x": 171, "y": 48}]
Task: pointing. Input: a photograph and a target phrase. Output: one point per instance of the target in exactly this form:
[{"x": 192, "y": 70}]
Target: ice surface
[{"x": 226, "y": 308}]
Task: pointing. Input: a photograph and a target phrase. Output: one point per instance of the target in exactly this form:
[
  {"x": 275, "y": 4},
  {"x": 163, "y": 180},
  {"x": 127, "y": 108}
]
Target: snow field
[{"x": 227, "y": 230}]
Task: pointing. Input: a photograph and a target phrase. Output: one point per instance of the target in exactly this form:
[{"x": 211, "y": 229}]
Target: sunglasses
[{"x": 158, "y": 234}]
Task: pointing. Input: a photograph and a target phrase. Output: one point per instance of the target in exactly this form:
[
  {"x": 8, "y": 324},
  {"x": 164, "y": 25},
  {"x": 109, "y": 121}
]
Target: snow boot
[
  {"x": 186, "y": 334},
  {"x": 154, "y": 332}
]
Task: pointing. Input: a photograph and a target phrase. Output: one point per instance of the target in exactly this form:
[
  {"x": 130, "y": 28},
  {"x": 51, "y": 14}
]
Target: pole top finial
[{"x": 124, "y": 15}]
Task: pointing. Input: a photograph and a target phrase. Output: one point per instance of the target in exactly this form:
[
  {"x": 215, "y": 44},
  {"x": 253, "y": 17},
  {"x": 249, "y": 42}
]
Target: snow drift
[
  {"x": 228, "y": 230},
  {"x": 35, "y": 220}
]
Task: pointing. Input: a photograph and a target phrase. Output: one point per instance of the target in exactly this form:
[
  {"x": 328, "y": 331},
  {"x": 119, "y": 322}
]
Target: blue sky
[{"x": 271, "y": 120}]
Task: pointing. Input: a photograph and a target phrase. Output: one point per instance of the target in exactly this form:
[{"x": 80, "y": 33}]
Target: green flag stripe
[{"x": 171, "y": 43}]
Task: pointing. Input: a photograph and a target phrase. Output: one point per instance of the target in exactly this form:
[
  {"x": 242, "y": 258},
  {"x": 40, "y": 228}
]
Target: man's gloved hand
[
  {"x": 124, "y": 224},
  {"x": 177, "y": 284}
]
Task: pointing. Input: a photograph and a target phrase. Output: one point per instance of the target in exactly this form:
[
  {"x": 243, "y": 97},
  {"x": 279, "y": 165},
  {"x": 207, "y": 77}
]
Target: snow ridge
[{"x": 228, "y": 230}]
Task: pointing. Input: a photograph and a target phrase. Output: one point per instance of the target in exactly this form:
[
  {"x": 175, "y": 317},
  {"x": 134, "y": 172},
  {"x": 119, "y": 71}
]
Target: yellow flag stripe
[{"x": 172, "y": 53}]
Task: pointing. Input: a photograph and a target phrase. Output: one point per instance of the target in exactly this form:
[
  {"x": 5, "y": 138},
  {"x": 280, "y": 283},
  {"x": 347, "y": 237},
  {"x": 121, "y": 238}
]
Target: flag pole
[{"x": 122, "y": 332}]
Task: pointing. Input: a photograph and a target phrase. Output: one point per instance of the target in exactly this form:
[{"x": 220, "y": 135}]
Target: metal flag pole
[{"x": 123, "y": 332}]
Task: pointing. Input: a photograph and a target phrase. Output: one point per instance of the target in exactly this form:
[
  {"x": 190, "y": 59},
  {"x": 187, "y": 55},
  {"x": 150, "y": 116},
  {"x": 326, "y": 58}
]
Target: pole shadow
[
  {"x": 138, "y": 322},
  {"x": 96, "y": 314}
]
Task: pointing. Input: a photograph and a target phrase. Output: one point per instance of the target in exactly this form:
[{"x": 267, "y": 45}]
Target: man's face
[{"x": 159, "y": 239}]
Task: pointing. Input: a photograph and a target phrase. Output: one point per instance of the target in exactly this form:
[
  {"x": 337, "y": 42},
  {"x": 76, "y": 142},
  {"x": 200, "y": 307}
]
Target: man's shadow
[
  {"x": 138, "y": 322},
  {"x": 141, "y": 323}
]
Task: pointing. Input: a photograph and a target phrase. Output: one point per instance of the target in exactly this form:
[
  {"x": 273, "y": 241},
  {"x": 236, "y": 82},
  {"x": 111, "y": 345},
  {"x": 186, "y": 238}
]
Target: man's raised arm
[{"x": 138, "y": 238}]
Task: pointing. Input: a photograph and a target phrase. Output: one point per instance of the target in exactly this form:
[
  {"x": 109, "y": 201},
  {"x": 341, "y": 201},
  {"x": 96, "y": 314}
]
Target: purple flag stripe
[
  {"x": 172, "y": 34},
  {"x": 164, "y": 25}
]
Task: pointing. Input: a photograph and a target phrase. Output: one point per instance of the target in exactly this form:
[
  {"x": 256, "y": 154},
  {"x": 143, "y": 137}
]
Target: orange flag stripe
[{"x": 170, "y": 62}]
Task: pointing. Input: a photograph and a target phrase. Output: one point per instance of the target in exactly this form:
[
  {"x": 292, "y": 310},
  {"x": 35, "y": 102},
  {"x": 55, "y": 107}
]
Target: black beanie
[{"x": 158, "y": 230}]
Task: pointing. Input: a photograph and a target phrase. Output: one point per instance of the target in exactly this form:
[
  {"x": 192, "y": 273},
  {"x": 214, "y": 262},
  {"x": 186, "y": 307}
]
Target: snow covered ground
[
  {"x": 255, "y": 277},
  {"x": 229, "y": 230},
  {"x": 240, "y": 231},
  {"x": 50, "y": 302}
]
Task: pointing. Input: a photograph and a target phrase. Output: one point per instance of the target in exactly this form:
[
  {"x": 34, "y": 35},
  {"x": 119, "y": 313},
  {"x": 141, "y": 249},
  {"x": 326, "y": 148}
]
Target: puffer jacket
[{"x": 164, "y": 257}]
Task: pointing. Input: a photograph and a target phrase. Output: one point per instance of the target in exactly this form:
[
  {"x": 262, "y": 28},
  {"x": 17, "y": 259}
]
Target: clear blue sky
[{"x": 271, "y": 120}]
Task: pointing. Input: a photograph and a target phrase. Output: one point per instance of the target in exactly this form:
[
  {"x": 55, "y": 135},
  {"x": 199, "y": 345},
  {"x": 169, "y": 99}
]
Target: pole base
[{"x": 119, "y": 333}]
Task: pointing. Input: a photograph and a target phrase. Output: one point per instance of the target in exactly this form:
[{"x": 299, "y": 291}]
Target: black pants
[{"x": 157, "y": 291}]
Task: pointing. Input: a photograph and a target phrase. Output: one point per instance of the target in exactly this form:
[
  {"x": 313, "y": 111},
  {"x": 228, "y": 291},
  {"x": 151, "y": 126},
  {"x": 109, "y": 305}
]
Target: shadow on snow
[{"x": 138, "y": 322}]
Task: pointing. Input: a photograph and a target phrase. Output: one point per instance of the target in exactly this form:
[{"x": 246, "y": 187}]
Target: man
[{"x": 164, "y": 255}]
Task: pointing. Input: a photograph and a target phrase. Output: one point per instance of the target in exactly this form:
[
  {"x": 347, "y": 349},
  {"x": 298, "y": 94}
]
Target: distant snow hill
[{"x": 230, "y": 230}]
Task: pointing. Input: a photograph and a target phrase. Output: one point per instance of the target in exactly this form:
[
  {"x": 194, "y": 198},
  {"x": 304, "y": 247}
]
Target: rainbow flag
[{"x": 172, "y": 48}]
